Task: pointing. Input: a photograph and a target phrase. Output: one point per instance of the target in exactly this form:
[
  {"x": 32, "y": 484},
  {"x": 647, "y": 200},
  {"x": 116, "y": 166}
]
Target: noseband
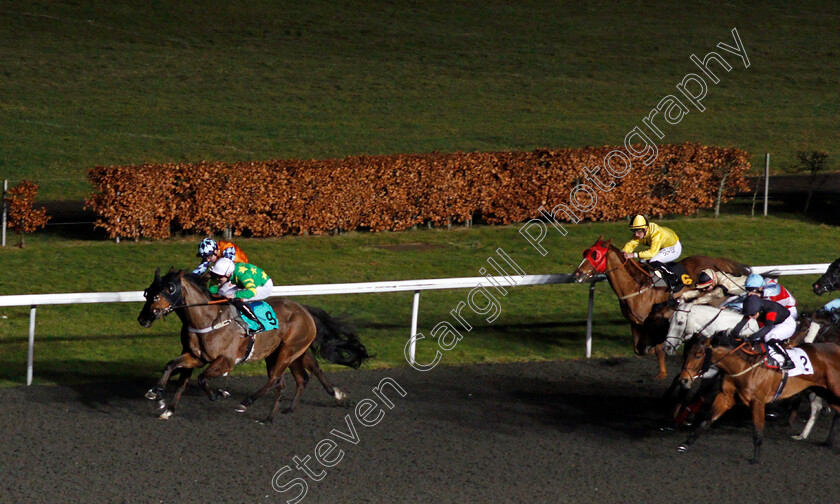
[{"x": 171, "y": 293}]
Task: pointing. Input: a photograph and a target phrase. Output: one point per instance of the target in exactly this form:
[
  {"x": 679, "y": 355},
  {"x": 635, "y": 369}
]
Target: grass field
[
  {"x": 88, "y": 342},
  {"x": 97, "y": 83}
]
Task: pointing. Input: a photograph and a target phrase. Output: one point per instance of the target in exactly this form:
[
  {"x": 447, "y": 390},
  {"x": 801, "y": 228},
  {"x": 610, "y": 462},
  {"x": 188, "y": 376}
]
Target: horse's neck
[
  {"x": 729, "y": 361},
  {"x": 201, "y": 315},
  {"x": 618, "y": 273}
]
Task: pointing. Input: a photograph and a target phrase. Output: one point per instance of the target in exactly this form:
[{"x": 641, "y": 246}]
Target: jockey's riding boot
[
  {"x": 246, "y": 310},
  {"x": 671, "y": 279},
  {"x": 253, "y": 316},
  {"x": 786, "y": 363}
]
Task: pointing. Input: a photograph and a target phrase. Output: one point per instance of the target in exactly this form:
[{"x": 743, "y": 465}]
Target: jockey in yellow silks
[
  {"x": 663, "y": 247},
  {"x": 663, "y": 243}
]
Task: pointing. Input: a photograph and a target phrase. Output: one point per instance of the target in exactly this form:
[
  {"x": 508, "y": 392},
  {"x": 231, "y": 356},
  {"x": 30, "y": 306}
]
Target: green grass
[
  {"x": 87, "y": 342},
  {"x": 96, "y": 83}
]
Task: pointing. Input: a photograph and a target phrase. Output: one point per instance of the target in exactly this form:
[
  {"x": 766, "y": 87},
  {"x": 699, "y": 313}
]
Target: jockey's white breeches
[
  {"x": 782, "y": 331},
  {"x": 668, "y": 254}
]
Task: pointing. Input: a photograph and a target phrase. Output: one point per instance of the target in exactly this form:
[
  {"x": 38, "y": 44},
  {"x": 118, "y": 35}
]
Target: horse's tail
[{"x": 336, "y": 340}]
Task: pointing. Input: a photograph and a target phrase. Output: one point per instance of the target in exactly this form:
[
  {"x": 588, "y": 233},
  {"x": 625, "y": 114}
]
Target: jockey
[
  {"x": 777, "y": 323},
  {"x": 711, "y": 285},
  {"x": 238, "y": 282},
  {"x": 831, "y": 310},
  {"x": 663, "y": 246},
  {"x": 770, "y": 289},
  {"x": 210, "y": 251}
]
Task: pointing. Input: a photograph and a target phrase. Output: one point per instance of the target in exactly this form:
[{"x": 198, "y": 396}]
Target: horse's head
[
  {"x": 830, "y": 281},
  {"x": 162, "y": 296},
  {"x": 594, "y": 260},
  {"x": 677, "y": 329},
  {"x": 698, "y": 360}
]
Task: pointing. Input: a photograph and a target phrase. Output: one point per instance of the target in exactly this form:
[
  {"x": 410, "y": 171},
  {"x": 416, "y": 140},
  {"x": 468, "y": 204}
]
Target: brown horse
[
  {"x": 211, "y": 335},
  {"x": 756, "y": 385},
  {"x": 636, "y": 291}
]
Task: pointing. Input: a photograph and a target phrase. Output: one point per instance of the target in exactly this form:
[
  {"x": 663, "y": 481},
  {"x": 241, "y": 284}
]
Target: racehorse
[
  {"x": 756, "y": 385},
  {"x": 211, "y": 335},
  {"x": 703, "y": 320},
  {"x": 813, "y": 327},
  {"x": 830, "y": 280},
  {"x": 635, "y": 288}
]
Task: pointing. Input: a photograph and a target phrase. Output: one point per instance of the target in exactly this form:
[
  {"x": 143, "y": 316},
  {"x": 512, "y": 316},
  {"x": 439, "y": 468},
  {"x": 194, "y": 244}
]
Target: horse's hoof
[
  {"x": 166, "y": 414},
  {"x": 753, "y": 461},
  {"x": 266, "y": 421},
  {"x": 682, "y": 448},
  {"x": 240, "y": 408},
  {"x": 161, "y": 404},
  {"x": 287, "y": 411},
  {"x": 798, "y": 437},
  {"x": 224, "y": 393},
  {"x": 151, "y": 395},
  {"x": 667, "y": 428},
  {"x": 661, "y": 376},
  {"x": 339, "y": 395}
]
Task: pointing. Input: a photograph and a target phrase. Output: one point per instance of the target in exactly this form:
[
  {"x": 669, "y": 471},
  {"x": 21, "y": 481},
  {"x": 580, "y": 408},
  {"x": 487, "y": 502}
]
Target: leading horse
[
  {"x": 755, "y": 385},
  {"x": 637, "y": 294},
  {"x": 211, "y": 336}
]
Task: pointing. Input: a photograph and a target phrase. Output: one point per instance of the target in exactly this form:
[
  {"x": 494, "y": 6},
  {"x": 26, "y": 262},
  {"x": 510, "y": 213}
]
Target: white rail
[{"x": 35, "y": 300}]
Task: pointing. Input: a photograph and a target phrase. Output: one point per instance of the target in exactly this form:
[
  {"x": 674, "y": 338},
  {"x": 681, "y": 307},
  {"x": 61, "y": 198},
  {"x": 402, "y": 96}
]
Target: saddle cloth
[
  {"x": 803, "y": 363},
  {"x": 265, "y": 313}
]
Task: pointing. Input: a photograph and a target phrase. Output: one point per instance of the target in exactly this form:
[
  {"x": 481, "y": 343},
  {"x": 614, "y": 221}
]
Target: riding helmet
[
  {"x": 754, "y": 282},
  {"x": 206, "y": 248},
  {"x": 704, "y": 279},
  {"x": 752, "y": 305},
  {"x": 639, "y": 222},
  {"x": 222, "y": 267}
]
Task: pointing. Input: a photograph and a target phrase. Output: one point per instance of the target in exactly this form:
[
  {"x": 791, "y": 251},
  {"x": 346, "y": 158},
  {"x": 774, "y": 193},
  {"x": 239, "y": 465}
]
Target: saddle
[
  {"x": 672, "y": 275},
  {"x": 762, "y": 349}
]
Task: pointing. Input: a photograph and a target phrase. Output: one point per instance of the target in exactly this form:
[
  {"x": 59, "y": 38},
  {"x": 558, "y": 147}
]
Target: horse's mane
[
  {"x": 198, "y": 281},
  {"x": 636, "y": 273},
  {"x": 722, "y": 338}
]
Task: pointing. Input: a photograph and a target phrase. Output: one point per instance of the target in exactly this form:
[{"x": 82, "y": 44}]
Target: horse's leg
[
  {"x": 301, "y": 379},
  {"x": 660, "y": 358},
  {"x": 817, "y": 405},
  {"x": 723, "y": 402},
  {"x": 270, "y": 362},
  {"x": 183, "y": 360},
  {"x": 312, "y": 366},
  {"x": 829, "y": 441},
  {"x": 216, "y": 368},
  {"x": 182, "y": 384},
  {"x": 757, "y": 407}
]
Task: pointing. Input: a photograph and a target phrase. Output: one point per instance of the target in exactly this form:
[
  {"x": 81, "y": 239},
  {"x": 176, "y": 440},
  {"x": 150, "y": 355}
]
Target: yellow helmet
[{"x": 639, "y": 222}]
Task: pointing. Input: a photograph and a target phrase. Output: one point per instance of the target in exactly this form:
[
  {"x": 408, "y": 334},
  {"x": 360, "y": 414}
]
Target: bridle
[
  {"x": 707, "y": 363},
  {"x": 173, "y": 295},
  {"x": 833, "y": 280}
]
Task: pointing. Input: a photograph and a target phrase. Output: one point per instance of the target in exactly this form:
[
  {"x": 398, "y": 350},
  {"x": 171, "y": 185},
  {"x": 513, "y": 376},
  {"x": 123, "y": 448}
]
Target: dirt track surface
[{"x": 580, "y": 431}]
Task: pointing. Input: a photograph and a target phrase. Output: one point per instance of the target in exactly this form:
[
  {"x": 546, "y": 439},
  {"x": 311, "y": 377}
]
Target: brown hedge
[{"x": 396, "y": 192}]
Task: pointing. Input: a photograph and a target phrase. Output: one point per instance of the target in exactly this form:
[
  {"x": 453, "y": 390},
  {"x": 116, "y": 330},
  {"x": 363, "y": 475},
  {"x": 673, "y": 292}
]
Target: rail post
[
  {"x": 5, "y": 209},
  {"x": 766, "y": 180},
  {"x": 415, "y": 310},
  {"x": 30, "y": 362},
  {"x": 589, "y": 314}
]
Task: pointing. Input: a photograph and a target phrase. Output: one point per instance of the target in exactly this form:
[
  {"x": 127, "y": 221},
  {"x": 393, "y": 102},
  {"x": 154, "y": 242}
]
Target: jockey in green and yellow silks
[{"x": 238, "y": 282}]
